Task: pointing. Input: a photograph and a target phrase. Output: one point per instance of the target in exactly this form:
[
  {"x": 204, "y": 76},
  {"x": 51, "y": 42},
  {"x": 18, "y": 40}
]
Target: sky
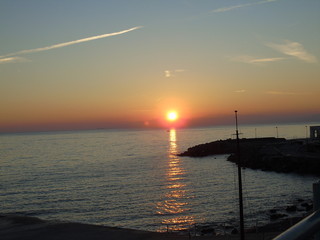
[{"x": 79, "y": 64}]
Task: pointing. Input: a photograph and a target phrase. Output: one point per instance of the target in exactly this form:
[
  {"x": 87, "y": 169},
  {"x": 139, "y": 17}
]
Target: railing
[
  {"x": 303, "y": 229},
  {"x": 310, "y": 225}
]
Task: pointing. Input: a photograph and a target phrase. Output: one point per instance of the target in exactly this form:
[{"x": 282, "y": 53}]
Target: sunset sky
[{"x": 79, "y": 64}]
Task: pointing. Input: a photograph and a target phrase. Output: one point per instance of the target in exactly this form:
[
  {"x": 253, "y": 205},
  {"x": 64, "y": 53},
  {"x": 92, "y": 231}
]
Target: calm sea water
[{"x": 134, "y": 179}]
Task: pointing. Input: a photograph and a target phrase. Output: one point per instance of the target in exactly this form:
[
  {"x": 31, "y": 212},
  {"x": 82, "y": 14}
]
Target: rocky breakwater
[{"x": 268, "y": 154}]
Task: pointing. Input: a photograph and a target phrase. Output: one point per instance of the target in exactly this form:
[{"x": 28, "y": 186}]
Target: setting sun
[{"x": 172, "y": 116}]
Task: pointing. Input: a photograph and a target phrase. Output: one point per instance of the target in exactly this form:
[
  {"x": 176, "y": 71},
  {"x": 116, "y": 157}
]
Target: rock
[
  {"x": 250, "y": 230},
  {"x": 276, "y": 216},
  {"x": 228, "y": 226},
  {"x": 207, "y": 230},
  {"x": 307, "y": 206},
  {"x": 234, "y": 231},
  {"x": 291, "y": 208}
]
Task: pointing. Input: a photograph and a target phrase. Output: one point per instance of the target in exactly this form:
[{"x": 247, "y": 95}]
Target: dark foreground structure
[
  {"x": 300, "y": 156},
  {"x": 30, "y": 228},
  {"x": 14, "y": 227}
]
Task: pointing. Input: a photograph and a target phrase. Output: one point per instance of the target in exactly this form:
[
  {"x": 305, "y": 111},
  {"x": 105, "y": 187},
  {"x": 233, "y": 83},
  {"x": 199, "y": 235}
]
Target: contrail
[
  {"x": 225, "y": 9},
  {"x": 60, "y": 45},
  {"x": 12, "y": 60}
]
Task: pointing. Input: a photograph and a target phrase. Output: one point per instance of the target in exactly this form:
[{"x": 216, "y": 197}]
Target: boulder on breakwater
[
  {"x": 268, "y": 154},
  {"x": 228, "y": 146}
]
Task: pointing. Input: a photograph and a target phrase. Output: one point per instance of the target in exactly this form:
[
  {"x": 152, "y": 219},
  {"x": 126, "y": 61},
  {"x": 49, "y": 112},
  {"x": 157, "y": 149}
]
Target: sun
[{"x": 172, "y": 116}]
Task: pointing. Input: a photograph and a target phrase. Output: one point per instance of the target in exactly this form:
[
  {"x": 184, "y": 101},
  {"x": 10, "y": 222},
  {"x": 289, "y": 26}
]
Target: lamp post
[{"x": 240, "y": 181}]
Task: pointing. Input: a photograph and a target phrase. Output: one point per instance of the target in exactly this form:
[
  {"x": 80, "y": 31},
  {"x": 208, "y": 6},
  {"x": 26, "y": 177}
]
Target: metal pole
[
  {"x": 306, "y": 131},
  {"x": 240, "y": 181},
  {"x": 316, "y": 203}
]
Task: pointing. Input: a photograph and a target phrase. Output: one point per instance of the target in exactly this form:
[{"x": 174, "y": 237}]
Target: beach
[{"x": 14, "y": 227}]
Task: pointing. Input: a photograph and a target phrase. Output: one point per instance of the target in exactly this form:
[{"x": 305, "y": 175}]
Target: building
[{"x": 315, "y": 132}]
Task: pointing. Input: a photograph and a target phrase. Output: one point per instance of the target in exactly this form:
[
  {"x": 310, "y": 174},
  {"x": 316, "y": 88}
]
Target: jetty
[{"x": 301, "y": 156}]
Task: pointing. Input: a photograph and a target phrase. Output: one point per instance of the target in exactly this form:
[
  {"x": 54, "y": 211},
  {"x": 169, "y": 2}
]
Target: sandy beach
[{"x": 20, "y": 227}]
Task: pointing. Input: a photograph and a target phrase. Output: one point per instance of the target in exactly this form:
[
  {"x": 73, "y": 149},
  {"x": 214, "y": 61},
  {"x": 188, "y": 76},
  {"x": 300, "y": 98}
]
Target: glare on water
[{"x": 175, "y": 206}]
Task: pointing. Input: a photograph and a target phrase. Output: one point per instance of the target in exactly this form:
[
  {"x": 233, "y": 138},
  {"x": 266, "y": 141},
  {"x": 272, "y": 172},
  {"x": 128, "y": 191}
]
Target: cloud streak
[
  {"x": 171, "y": 73},
  {"x": 226, "y": 9},
  {"x": 284, "y": 93},
  {"x": 13, "y": 60},
  {"x": 5, "y": 58},
  {"x": 294, "y": 49},
  {"x": 240, "y": 91},
  {"x": 253, "y": 60},
  {"x": 265, "y": 60}
]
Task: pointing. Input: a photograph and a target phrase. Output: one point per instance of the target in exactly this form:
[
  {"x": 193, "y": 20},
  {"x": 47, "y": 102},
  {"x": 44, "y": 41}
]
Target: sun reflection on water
[{"x": 174, "y": 206}]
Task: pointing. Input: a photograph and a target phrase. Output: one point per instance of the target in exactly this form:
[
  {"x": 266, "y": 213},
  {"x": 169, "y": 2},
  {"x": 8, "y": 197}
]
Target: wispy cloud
[
  {"x": 253, "y": 60},
  {"x": 13, "y": 60},
  {"x": 294, "y": 49},
  {"x": 284, "y": 93},
  {"x": 226, "y": 9},
  {"x": 266, "y": 60},
  {"x": 65, "y": 44},
  {"x": 180, "y": 70},
  {"x": 171, "y": 73},
  {"x": 167, "y": 73},
  {"x": 240, "y": 91}
]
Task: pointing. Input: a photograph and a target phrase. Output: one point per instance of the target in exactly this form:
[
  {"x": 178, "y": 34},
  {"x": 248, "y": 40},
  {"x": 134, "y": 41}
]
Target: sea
[{"x": 134, "y": 178}]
